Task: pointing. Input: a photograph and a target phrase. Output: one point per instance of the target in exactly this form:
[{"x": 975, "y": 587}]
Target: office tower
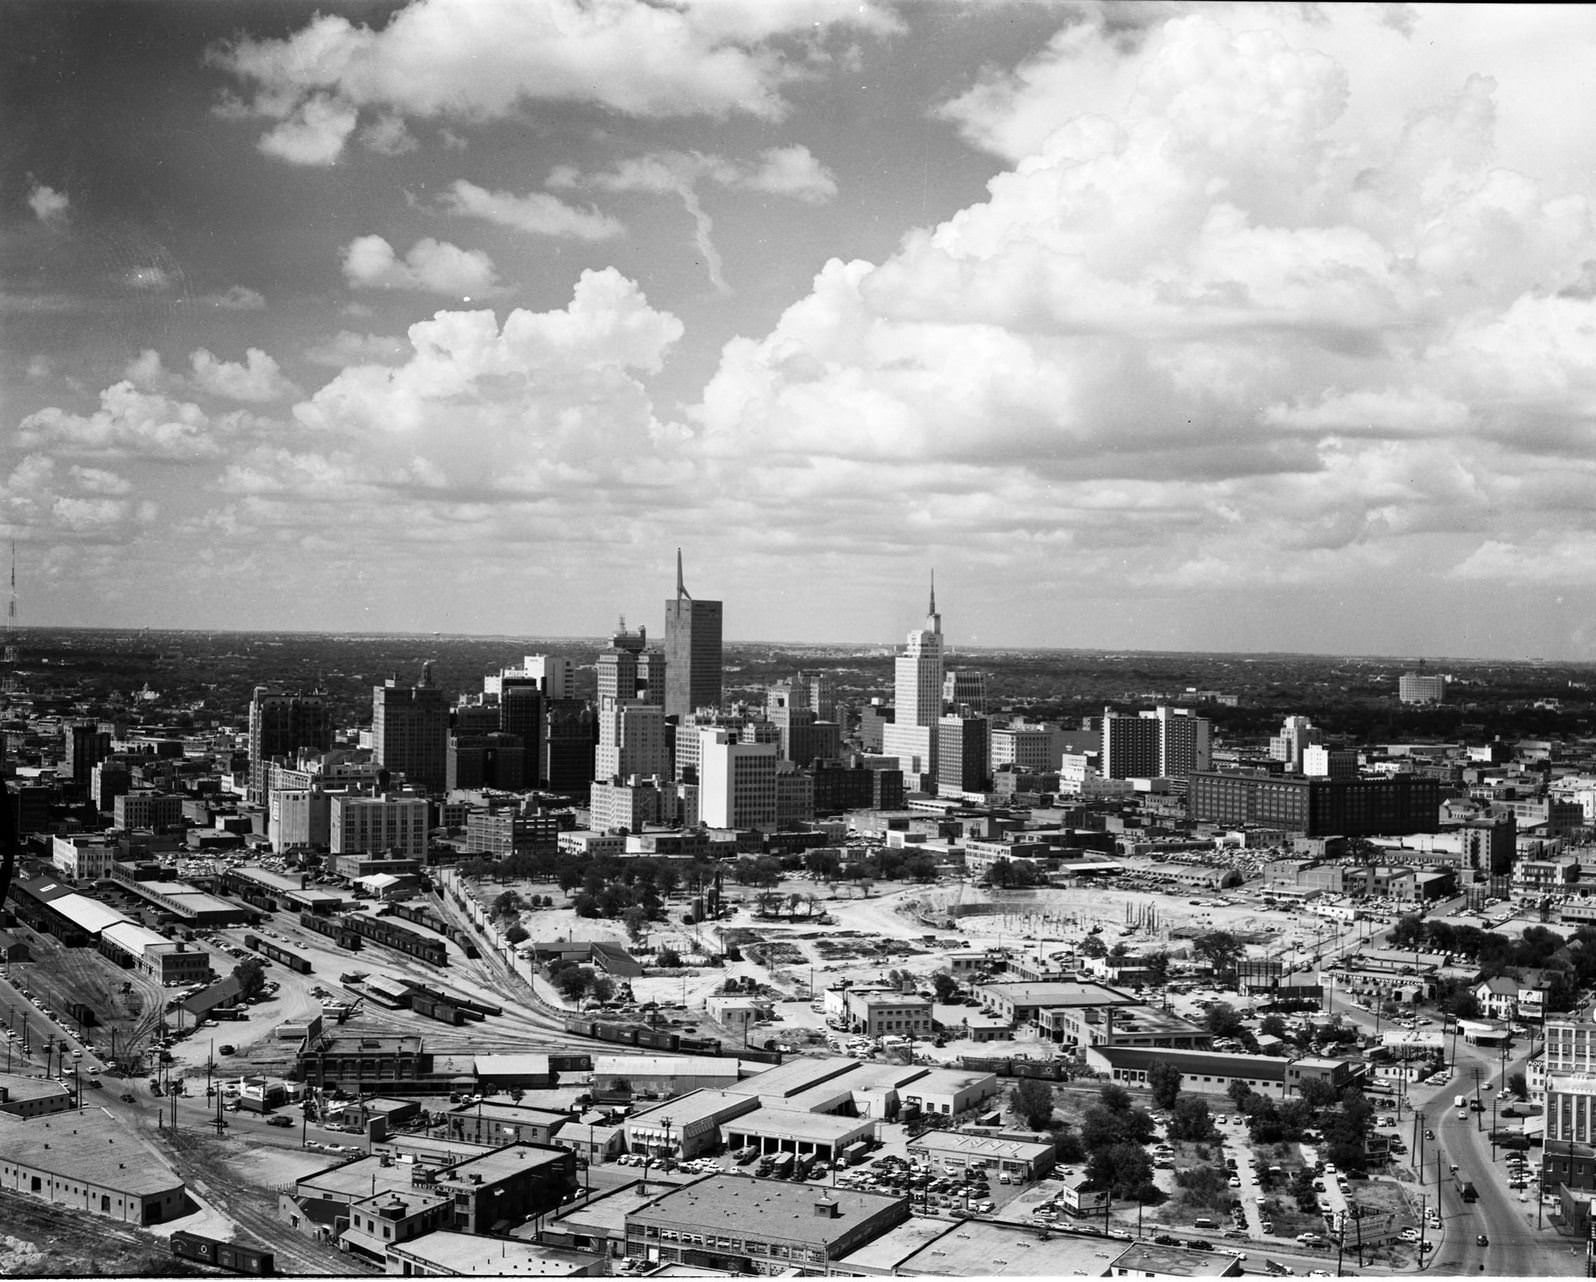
[
  {"x": 693, "y": 669},
  {"x": 964, "y": 755},
  {"x": 570, "y": 733},
  {"x": 521, "y": 704},
  {"x": 1297, "y": 735},
  {"x": 632, "y": 741},
  {"x": 392, "y": 821},
  {"x": 1391, "y": 806},
  {"x": 1421, "y": 687},
  {"x": 1029, "y": 749},
  {"x": 410, "y": 731},
  {"x": 630, "y": 669},
  {"x": 280, "y": 724},
  {"x": 554, "y": 676},
  {"x": 801, "y": 736},
  {"x": 964, "y": 692},
  {"x": 486, "y": 760},
  {"x": 823, "y": 695},
  {"x": 1165, "y": 743},
  {"x": 1322, "y": 762},
  {"x": 736, "y": 781},
  {"x": 917, "y": 703},
  {"x": 86, "y": 745}
]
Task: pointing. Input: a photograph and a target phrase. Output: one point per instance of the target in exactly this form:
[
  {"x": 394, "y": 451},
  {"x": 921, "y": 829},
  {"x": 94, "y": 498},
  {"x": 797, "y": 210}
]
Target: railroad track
[{"x": 196, "y": 1157}]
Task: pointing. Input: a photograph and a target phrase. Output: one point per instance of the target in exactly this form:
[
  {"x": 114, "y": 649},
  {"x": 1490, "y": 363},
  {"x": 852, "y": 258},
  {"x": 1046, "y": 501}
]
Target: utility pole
[
  {"x": 1424, "y": 1220},
  {"x": 1479, "y": 1108},
  {"x": 1341, "y": 1240}
]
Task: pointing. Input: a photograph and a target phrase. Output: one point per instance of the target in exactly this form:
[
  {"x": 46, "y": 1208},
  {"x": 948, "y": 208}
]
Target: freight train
[
  {"x": 379, "y": 930},
  {"x": 422, "y": 915},
  {"x": 473, "y": 1008},
  {"x": 277, "y": 953},
  {"x": 232, "y": 1256},
  {"x": 332, "y": 928}
]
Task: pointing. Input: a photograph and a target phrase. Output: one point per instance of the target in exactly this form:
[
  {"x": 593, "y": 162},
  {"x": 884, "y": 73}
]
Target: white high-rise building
[
  {"x": 736, "y": 780},
  {"x": 911, "y": 736},
  {"x": 632, "y": 741},
  {"x": 555, "y": 676}
]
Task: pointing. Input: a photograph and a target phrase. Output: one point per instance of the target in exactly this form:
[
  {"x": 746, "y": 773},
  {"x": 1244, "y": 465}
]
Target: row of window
[{"x": 748, "y": 1246}]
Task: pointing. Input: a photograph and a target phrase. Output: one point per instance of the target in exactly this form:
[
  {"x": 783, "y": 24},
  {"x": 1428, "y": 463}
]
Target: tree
[
  {"x": 944, "y": 986},
  {"x": 1157, "y": 967},
  {"x": 1122, "y": 1169},
  {"x": 635, "y": 919},
  {"x": 1115, "y": 1098},
  {"x": 516, "y": 934},
  {"x": 1093, "y": 946},
  {"x": 1163, "y": 1080},
  {"x": 667, "y": 958},
  {"x": 1189, "y": 1120},
  {"x": 1272, "y": 1026},
  {"x": 1239, "y": 1093},
  {"x": 1032, "y": 1099},
  {"x": 507, "y": 904},
  {"x": 1517, "y": 1085},
  {"x": 1220, "y": 949},
  {"x": 251, "y": 975},
  {"x": 1223, "y": 1020}
]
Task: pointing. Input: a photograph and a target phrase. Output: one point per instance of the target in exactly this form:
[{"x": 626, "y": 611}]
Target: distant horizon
[{"x": 599, "y": 640}]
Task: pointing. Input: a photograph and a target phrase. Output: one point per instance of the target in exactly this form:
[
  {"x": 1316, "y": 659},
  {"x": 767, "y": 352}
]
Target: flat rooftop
[
  {"x": 778, "y": 1208},
  {"x": 883, "y": 1254},
  {"x": 1176, "y": 1261},
  {"x": 355, "y": 1181},
  {"x": 19, "y": 1087},
  {"x": 784, "y": 1122},
  {"x": 369, "y": 1044},
  {"x": 525, "y": 1114},
  {"x": 1060, "y": 993},
  {"x": 795, "y": 1075},
  {"x": 471, "y": 1255},
  {"x": 981, "y": 1248},
  {"x": 605, "y": 1214},
  {"x": 502, "y": 1163},
  {"x": 80, "y": 1150},
  {"x": 980, "y": 1146},
  {"x": 695, "y": 1106}
]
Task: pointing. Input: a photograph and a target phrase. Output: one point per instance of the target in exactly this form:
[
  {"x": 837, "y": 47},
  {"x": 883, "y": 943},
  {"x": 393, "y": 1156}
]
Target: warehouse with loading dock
[{"x": 81, "y": 1167}]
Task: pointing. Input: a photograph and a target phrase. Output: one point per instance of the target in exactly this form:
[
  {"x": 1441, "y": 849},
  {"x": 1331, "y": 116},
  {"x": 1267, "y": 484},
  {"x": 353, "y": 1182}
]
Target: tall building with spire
[
  {"x": 911, "y": 737},
  {"x": 693, "y": 664}
]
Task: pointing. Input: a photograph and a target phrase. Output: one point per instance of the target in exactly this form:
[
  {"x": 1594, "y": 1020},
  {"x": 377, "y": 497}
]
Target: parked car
[{"x": 279, "y": 1120}]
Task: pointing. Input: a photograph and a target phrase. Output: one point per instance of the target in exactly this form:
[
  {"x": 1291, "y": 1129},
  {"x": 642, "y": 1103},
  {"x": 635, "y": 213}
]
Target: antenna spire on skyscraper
[
  {"x": 933, "y": 608},
  {"x": 681, "y": 589}
]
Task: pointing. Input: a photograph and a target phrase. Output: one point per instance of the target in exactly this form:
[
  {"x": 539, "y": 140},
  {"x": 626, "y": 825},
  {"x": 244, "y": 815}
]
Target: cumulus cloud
[
  {"x": 477, "y": 404},
  {"x": 1234, "y": 303},
  {"x": 388, "y": 136},
  {"x": 48, "y": 204},
  {"x": 437, "y": 267},
  {"x": 792, "y": 172},
  {"x": 473, "y": 60},
  {"x": 41, "y": 498},
  {"x": 537, "y": 213},
  {"x": 236, "y": 298},
  {"x": 134, "y": 423},
  {"x": 257, "y": 378}
]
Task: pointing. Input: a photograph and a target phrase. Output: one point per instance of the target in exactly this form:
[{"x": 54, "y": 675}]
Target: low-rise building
[
  {"x": 32, "y": 1096},
  {"x": 78, "y": 1166},
  {"x": 882, "y": 1014},
  {"x": 1023, "y": 1003},
  {"x": 449, "y": 1254},
  {"x": 486, "y": 1123},
  {"x": 759, "y": 1226},
  {"x": 389, "y": 1218},
  {"x": 1149, "y": 1260},
  {"x": 787, "y": 1130},
  {"x": 686, "y": 1127},
  {"x": 1202, "y": 1072},
  {"x": 956, "y": 1151}
]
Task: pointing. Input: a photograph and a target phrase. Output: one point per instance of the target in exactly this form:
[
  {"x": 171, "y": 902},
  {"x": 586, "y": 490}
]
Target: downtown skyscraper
[
  {"x": 911, "y": 736},
  {"x": 693, "y": 665}
]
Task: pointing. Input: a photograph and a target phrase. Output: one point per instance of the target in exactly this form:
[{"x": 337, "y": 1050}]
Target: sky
[{"x": 1145, "y": 326}]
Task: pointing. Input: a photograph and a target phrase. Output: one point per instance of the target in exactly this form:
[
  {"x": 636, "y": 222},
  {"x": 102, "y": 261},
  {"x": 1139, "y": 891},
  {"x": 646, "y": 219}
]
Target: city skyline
[{"x": 1205, "y": 328}]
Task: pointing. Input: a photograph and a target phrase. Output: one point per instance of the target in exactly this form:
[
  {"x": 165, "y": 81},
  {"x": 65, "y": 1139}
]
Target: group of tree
[
  {"x": 574, "y": 982},
  {"x": 1115, "y": 1134},
  {"x": 1222, "y": 951},
  {"x": 251, "y": 976},
  {"x": 1570, "y": 964},
  {"x": 1342, "y": 1118}
]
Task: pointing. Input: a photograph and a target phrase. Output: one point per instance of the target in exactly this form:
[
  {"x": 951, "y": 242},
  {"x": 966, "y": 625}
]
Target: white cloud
[
  {"x": 792, "y": 172},
  {"x": 369, "y": 262},
  {"x": 133, "y": 423},
  {"x": 537, "y": 213},
  {"x": 257, "y": 379},
  {"x": 237, "y": 298},
  {"x": 388, "y": 136},
  {"x": 41, "y": 499},
  {"x": 314, "y": 133},
  {"x": 1238, "y": 312},
  {"x": 48, "y": 204},
  {"x": 472, "y": 60}
]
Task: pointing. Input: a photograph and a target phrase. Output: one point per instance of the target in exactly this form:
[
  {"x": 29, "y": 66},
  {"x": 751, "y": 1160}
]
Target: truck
[
  {"x": 1459, "y": 1101},
  {"x": 1469, "y": 1192}
]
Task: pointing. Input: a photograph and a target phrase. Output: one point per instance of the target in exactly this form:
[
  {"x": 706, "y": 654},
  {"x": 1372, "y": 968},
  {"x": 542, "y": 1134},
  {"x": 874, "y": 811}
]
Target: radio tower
[{"x": 10, "y": 680}]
